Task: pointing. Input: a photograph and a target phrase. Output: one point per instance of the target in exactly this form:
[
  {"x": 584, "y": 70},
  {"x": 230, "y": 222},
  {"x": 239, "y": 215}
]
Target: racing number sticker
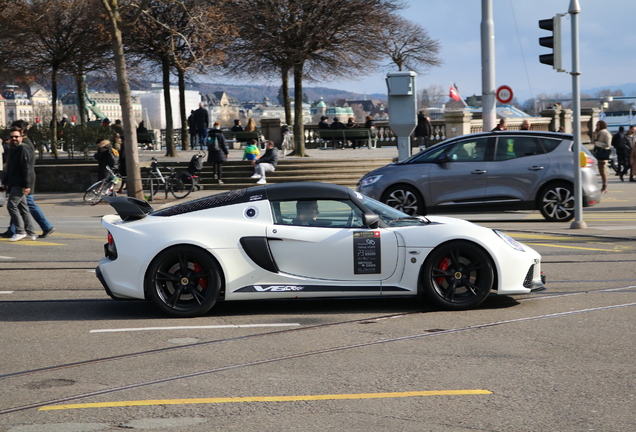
[{"x": 366, "y": 252}]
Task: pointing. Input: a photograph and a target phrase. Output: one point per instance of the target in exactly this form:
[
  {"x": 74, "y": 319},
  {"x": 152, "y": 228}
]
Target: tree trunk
[
  {"x": 299, "y": 126},
  {"x": 185, "y": 141},
  {"x": 133, "y": 182},
  {"x": 54, "y": 111},
  {"x": 286, "y": 98},
  {"x": 80, "y": 85},
  {"x": 165, "y": 69}
]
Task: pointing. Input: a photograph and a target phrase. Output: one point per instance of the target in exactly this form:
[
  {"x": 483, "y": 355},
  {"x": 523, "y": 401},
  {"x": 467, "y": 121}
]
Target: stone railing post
[
  {"x": 457, "y": 123},
  {"x": 555, "y": 119},
  {"x": 566, "y": 121},
  {"x": 271, "y": 130},
  {"x": 591, "y": 123}
]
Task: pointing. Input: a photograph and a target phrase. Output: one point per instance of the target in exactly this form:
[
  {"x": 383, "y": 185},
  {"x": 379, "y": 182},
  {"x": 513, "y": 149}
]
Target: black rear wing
[{"x": 129, "y": 208}]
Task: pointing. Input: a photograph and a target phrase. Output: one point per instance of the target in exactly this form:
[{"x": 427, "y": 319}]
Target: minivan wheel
[
  {"x": 404, "y": 198},
  {"x": 556, "y": 202}
]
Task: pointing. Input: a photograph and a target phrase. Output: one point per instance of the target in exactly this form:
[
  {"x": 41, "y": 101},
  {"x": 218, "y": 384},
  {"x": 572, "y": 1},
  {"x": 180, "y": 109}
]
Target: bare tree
[
  {"x": 113, "y": 12},
  {"x": 408, "y": 45},
  {"x": 310, "y": 39}
]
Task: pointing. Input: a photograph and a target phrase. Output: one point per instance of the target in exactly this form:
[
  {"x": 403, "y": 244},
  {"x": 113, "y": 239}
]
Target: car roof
[
  {"x": 546, "y": 134},
  {"x": 306, "y": 190}
]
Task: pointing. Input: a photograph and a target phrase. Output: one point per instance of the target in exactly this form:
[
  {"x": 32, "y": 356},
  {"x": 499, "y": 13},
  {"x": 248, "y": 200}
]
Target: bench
[
  {"x": 244, "y": 137},
  {"x": 145, "y": 138},
  {"x": 340, "y": 137}
]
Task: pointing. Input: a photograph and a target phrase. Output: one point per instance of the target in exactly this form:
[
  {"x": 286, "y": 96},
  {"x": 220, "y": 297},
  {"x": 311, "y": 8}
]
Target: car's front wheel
[
  {"x": 457, "y": 275},
  {"x": 556, "y": 202},
  {"x": 184, "y": 281},
  {"x": 404, "y": 198}
]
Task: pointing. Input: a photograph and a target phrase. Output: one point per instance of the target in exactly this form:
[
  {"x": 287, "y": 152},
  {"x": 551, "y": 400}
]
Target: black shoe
[
  {"x": 621, "y": 177},
  {"x": 46, "y": 233},
  {"x": 6, "y": 234}
]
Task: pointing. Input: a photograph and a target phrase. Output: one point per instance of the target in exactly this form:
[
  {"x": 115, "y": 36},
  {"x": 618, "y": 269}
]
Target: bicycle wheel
[
  {"x": 93, "y": 194},
  {"x": 181, "y": 184},
  {"x": 149, "y": 181}
]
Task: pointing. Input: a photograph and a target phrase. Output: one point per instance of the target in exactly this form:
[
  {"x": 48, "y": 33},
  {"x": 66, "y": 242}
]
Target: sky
[{"x": 607, "y": 46}]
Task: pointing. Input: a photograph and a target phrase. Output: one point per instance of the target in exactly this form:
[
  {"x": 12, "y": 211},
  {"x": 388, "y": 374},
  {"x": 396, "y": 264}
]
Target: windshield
[{"x": 392, "y": 217}]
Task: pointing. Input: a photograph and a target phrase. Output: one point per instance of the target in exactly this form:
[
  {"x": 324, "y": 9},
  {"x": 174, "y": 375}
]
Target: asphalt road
[{"x": 558, "y": 360}]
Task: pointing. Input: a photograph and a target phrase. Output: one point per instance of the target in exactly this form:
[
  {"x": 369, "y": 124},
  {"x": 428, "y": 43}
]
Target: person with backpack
[
  {"x": 623, "y": 151},
  {"x": 106, "y": 155},
  {"x": 217, "y": 150}
]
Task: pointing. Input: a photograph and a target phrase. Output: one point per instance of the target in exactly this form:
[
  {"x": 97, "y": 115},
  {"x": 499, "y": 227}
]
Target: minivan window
[
  {"x": 515, "y": 147},
  {"x": 549, "y": 144}
]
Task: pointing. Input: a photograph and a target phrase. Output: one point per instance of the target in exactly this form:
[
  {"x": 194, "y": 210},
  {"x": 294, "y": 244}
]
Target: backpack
[{"x": 212, "y": 143}]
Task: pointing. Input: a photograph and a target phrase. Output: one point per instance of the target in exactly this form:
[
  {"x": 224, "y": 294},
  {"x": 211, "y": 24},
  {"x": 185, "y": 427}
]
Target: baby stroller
[{"x": 194, "y": 168}]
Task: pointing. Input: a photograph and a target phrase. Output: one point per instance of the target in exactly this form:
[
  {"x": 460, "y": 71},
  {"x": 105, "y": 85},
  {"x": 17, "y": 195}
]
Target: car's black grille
[
  {"x": 527, "y": 282},
  {"x": 217, "y": 200}
]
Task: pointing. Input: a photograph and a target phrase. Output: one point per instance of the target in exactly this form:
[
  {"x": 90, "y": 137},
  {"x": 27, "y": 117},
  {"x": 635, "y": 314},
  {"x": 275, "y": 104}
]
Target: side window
[
  {"x": 468, "y": 151},
  {"x": 549, "y": 144},
  {"x": 317, "y": 213},
  {"x": 515, "y": 147}
]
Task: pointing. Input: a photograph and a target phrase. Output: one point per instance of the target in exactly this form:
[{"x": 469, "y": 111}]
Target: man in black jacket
[
  {"x": 18, "y": 179},
  {"x": 201, "y": 122},
  {"x": 266, "y": 163}
]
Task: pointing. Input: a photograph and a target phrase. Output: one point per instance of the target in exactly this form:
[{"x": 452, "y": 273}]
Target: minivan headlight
[
  {"x": 369, "y": 180},
  {"x": 510, "y": 241}
]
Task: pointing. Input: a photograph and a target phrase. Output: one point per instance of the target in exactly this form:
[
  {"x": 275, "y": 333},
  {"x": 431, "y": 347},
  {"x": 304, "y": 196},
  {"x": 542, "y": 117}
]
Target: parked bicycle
[
  {"x": 106, "y": 186},
  {"x": 180, "y": 183}
]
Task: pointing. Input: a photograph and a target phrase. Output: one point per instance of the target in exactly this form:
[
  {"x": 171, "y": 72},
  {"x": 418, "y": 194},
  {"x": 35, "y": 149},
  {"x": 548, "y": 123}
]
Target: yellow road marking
[
  {"x": 266, "y": 399},
  {"x": 572, "y": 247},
  {"x": 33, "y": 243}
]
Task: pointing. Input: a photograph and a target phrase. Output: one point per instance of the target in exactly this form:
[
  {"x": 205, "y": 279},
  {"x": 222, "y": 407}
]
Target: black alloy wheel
[
  {"x": 457, "y": 275},
  {"x": 184, "y": 281}
]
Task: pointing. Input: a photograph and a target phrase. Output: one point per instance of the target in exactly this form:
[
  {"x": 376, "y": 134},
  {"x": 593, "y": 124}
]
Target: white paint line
[
  {"x": 4, "y": 257},
  {"x": 6, "y": 292},
  {"x": 194, "y": 327}
]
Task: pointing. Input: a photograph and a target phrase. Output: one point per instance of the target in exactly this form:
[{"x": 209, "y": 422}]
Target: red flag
[{"x": 454, "y": 94}]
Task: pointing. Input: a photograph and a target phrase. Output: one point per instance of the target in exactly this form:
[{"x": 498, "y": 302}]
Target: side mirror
[
  {"x": 371, "y": 220},
  {"x": 442, "y": 158}
]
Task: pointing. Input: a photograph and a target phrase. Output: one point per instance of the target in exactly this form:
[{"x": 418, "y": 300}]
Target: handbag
[{"x": 601, "y": 153}]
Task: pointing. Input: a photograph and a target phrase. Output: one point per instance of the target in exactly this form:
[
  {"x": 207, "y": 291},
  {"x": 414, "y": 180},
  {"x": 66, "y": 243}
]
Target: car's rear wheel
[
  {"x": 556, "y": 202},
  {"x": 457, "y": 275},
  {"x": 184, "y": 281},
  {"x": 404, "y": 198}
]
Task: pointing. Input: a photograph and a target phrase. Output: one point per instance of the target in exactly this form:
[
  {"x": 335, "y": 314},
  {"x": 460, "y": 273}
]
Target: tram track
[{"x": 423, "y": 334}]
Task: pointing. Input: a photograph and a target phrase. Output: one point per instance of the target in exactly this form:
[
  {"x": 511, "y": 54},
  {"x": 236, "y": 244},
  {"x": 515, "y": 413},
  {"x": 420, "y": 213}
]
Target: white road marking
[
  {"x": 4, "y": 257},
  {"x": 194, "y": 327},
  {"x": 6, "y": 292}
]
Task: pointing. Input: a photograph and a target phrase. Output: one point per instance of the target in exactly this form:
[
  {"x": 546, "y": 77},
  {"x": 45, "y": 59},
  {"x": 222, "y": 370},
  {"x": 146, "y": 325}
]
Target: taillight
[
  {"x": 110, "y": 250},
  {"x": 111, "y": 241},
  {"x": 589, "y": 162}
]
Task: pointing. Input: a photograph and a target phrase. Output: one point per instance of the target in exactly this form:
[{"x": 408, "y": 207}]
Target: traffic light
[{"x": 554, "y": 42}]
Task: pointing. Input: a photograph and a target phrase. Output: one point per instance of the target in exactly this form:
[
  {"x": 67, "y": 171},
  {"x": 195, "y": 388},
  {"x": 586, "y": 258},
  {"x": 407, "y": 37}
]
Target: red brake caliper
[
  {"x": 443, "y": 266},
  {"x": 202, "y": 281}
]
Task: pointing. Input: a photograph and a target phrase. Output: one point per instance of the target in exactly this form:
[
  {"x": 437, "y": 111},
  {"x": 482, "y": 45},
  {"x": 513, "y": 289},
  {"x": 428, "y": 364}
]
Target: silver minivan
[{"x": 485, "y": 172}]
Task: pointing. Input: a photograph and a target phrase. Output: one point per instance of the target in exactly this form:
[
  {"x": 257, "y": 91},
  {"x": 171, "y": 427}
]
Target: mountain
[{"x": 628, "y": 89}]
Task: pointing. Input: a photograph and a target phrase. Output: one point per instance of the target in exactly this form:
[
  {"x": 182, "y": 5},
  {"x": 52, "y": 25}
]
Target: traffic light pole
[{"x": 578, "y": 222}]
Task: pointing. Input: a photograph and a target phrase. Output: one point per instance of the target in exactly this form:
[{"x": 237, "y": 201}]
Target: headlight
[
  {"x": 370, "y": 180},
  {"x": 511, "y": 242}
]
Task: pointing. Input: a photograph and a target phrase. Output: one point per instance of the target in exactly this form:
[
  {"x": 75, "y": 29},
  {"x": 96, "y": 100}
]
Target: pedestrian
[
  {"x": 623, "y": 152},
  {"x": 526, "y": 125},
  {"x": 34, "y": 209},
  {"x": 266, "y": 163},
  {"x": 192, "y": 129},
  {"x": 217, "y": 150},
  {"x": 201, "y": 122},
  {"x": 251, "y": 126},
  {"x": 237, "y": 126},
  {"x": 105, "y": 158},
  {"x": 502, "y": 126},
  {"x": 118, "y": 128},
  {"x": 423, "y": 130},
  {"x": 337, "y": 124},
  {"x": 123, "y": 171},
  {"x": 631, "y": 139},
  {"x": 18, "y": 178},
  {"x": 324, "y": 124},
  {"x": 602, "y": 150},
  {"x": 251, "y": 151}
]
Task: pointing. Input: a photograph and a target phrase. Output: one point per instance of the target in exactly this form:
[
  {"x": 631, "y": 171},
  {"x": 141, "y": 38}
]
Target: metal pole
[
  {"x": 489, "y": 113},
  {"x": 578, "y": 222}
]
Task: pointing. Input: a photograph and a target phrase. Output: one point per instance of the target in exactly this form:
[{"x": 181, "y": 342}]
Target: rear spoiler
[{"x": 129, "y": 208}]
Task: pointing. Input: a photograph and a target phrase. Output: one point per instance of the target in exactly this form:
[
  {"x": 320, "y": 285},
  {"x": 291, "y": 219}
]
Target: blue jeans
[
  {"x": 203, "y": 133},
  {"x": 37, "y": 214}
]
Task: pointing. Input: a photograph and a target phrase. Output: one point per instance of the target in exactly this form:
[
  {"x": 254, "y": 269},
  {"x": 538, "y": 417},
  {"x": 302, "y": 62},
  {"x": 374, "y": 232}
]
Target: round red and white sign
[{"x": 504, "y": 94}]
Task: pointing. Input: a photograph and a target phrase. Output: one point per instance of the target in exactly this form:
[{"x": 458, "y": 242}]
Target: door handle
[
  {"x": 479, "y": 172},
  {"x": 535, "y": 168}
]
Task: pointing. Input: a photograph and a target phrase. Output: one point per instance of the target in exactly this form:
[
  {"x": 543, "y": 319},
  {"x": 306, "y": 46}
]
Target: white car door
[{"x": 334, "y": 246}]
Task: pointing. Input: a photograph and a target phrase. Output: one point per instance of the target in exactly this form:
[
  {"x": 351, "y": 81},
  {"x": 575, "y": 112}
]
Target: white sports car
[{"x": 303, "y": 240}]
